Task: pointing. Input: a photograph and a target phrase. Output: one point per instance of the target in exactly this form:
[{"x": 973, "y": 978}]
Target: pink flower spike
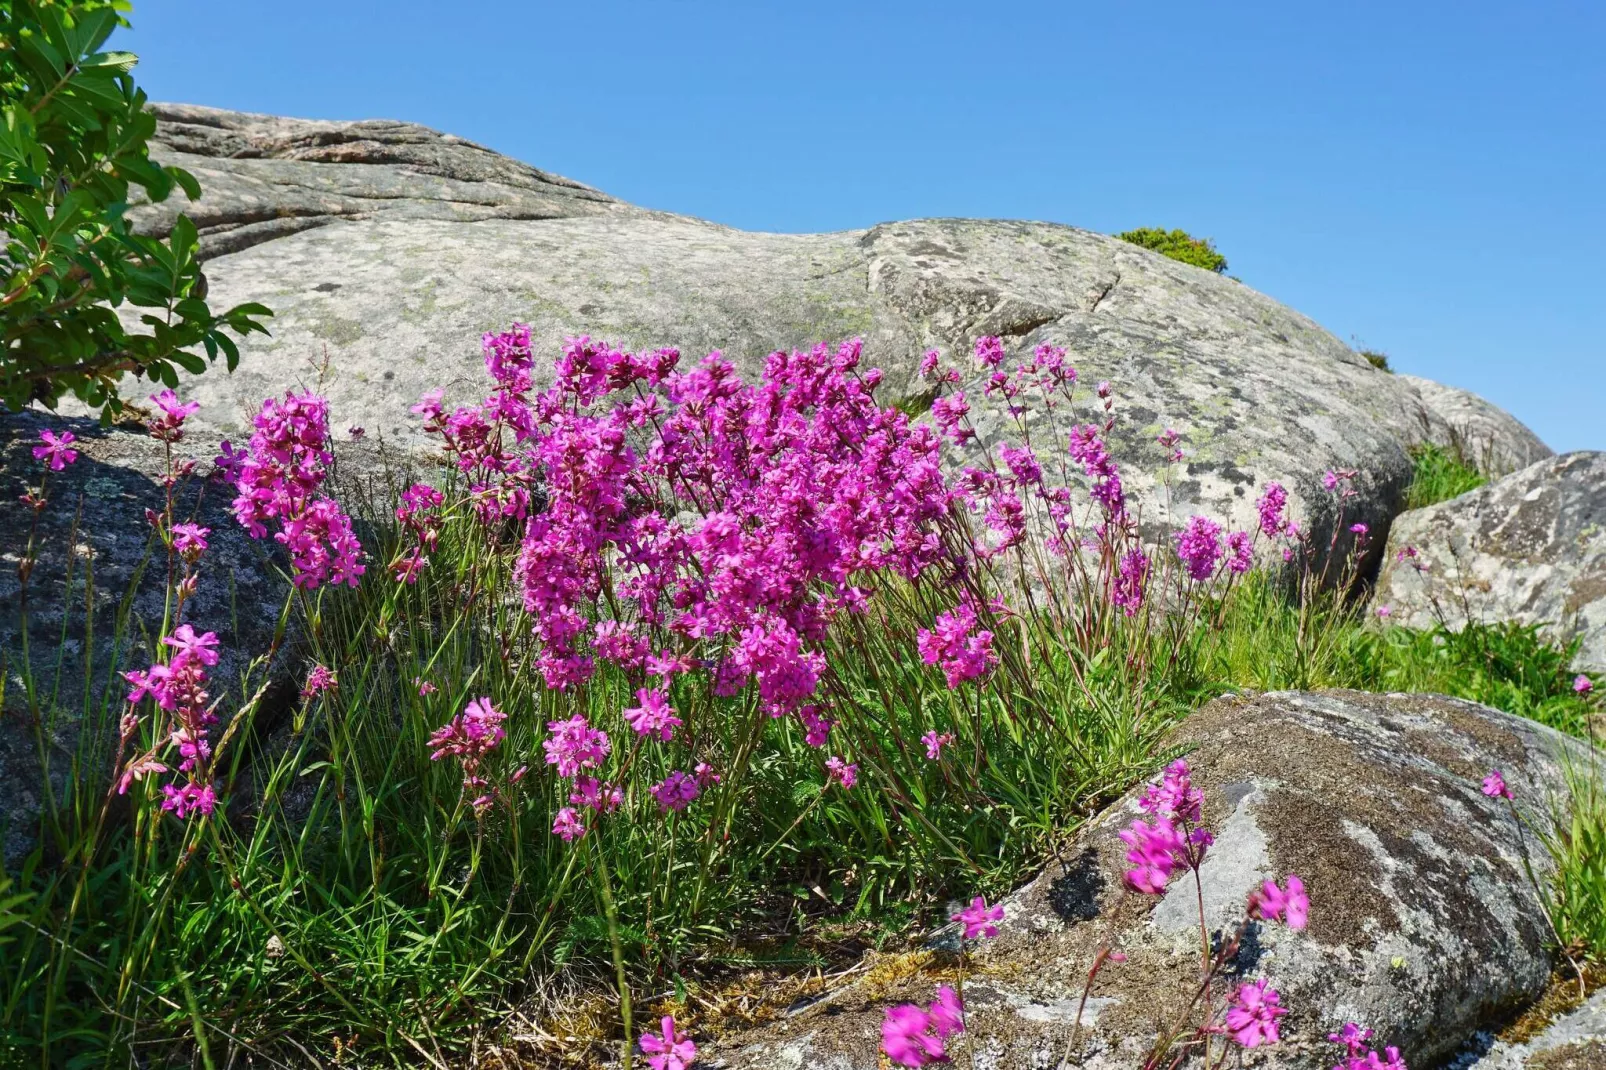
[
  {"x": 319, "y": 680},
  {"x": 55, "y": 449},
  {"x": 668, "y": 1049},
  {"x": 1494, "y": 786},
  {"x": 979, "y": 919},
  {"x": 1252, "y": 1016}
]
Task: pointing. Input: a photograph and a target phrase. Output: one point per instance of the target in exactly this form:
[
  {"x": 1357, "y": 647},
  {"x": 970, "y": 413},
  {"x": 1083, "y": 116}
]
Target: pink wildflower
[
  {"x": 567, "y": 825},
  {"x": 1199, "y": 547},
  {"x": 935, "y": 743},
  {"x": 989, "y": 351},
  {"x": 676, "y": 792},
  {"x": 1271, "y": 505},
  {"x": 1494, "y": 786},
  {"x": 1353, "y": 1037},
  {"x": 1582, "y": 684},
  {"x": 1252, "y": 1016},
  {"x": 189, "y": 799},
  {"x": 1157, "y": 851},
  {"x": 655, "y": 716},
  {"x": 1174, "y": 796},
  {"x": 202, "y": 648},
  {"x": 668, "y": 1049},
  {"x": 169, "y": 426},
  {"x": 955, "y": 643},
  {"x": 190, "y": 539},
  {"x": 1241, "y": 551},
  {"x": 425, "y": 688},
  {"x": 575, "y": 745},
  {"x": 979, "y": 919},
  {"x": 840, "y": 772},
  {"x": 55, "y": 449},
  {"x": 319, "y": 680},
  {"x": 913, "y": 1036},
  {"x": 928, "y": 363},
  {"x": 1272, "y": 903},
  {"x": 1131, "y": 582},
  {"x": 596, "y": 795}
]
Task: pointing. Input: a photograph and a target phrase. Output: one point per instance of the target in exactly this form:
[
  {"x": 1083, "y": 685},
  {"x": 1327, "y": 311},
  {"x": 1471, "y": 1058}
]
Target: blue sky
[{"x": 1424, "y": 178}]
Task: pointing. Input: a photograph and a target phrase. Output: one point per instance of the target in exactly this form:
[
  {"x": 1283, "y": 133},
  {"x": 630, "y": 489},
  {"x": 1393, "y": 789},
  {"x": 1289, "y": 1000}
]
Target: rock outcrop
[
  {"x": 1529, "y": 548},
  {"x": 1574, "y": 1041},
  {"x": 388, "y": 249},
  {"x": 1483, "y": 435},
  {"x": 1423, "y": 924}
]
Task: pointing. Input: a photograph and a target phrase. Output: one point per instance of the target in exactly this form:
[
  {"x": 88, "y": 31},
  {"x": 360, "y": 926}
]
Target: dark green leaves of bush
[{"x": 73, "y": 140}]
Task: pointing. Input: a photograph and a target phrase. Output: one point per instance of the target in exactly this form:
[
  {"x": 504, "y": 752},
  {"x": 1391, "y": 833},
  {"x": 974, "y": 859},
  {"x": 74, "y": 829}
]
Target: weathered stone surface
[
  {"x": 264, "y": 177},
  {"x": 1423, "y": 925},
  {"x": 1575, "y": 1041},
  {"x": 95, "y": 518},
  {"x": 1488, "y": 437},
  {"x": 1529, "y": 548},
  {"x": 389, "y": 249}
]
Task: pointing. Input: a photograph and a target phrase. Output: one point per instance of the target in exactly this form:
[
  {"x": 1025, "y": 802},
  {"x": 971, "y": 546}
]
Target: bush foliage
[
  {"x": 73, "y": 142},
  {"x": 1178, "y": 245}
]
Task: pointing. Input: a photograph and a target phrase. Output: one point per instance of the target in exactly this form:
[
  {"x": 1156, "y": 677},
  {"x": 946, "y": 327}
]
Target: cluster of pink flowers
[
  {"x": 912, "y": 1035},
  {"x": 469, "y": 737},
  {"x": 1173, "y": 839},
  {"x": 419, "y": 515},
  {"x": 1199, "y": 547},
  {"x": 279, "y": 476},
  {"x": 178, "y": 689},
  {"x": 955, "y": 643}
]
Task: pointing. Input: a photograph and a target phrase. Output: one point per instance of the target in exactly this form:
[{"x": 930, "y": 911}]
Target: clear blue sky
[{"x": 1428, "y": 179}]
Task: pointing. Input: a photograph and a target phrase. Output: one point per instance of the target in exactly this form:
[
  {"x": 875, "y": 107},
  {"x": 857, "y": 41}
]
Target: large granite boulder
[
  {"x": 1423, "y": 924},
  {"x": 1529, "y": 548},
  {"x": 1483, "y": 435},
  {"x": 386, "y": 250},
  {"x": 95, "y": 599}
]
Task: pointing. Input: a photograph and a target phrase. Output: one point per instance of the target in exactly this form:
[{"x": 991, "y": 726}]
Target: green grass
[
  {"x": 1178, "y": 245},
  {"x": 1438, "y": 476},
  {"x": 353, "y": 894}
]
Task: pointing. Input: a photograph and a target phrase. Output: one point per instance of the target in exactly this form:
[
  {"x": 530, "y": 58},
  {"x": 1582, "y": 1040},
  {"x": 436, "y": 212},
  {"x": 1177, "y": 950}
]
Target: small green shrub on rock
[{"x": 1178, "y": 245}]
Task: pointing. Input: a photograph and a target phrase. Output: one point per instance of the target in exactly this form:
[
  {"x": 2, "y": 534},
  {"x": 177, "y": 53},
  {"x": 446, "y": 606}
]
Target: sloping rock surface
[
  {"x": 1575, "y": 1041},
  {"x": 1423, "y": 925},
  {"x": 387, "y": 249},
  {"x": 1489, "y": 438},
  {"x": 1529, "y": 548}
]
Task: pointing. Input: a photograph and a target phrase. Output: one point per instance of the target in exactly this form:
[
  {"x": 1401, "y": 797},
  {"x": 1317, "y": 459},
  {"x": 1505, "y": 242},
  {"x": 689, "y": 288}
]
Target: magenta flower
[
  {"x": 668, "y": 1049},
  {"x": 1131, "y": 582},
  {"x": 1174, "y": 796},
  {"x": 1271, "y": 506},
  {"x": 1241, "y": 552},
  {"x": 979, "y": 919},
  {"x": 839, "y": 772},
  {"x": 575, "y": 745},
  {"x": 596, "y": 795},
  {"x": 319, "y": 680},
  {"x": 655, "y": 716},
  {"x": 1353, "y": 1037},
  {"x": 1494, "y": 786},
  {"x": 55, "y": 449},
  {"x": 914, "y": 1036},
  {"x": 963, "y": 651},
  {"x": 989, "y": 351},
  {"x": 1384, "y": 612},
  {"x": 1253, "y": 1013},
  {"x": 676, "y": 792},
  {"x": 190, "y": 538},
  {"x": 189, "y": 799},
  {"x": 1272, "y": 903},
  {"x": 567, "y": 825},
  {"x": 928, "y": 363},
  {"x": 202, "y": 648},
  {"x": 935, "y": 743},
  {"x": 1157, "y": 851},
  {"x": 1199, "y": 547},
  {"x": 169, "y": 425},
  {"x": 908, "y": 1039},
  {"x": 1582, "y": 684}
]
